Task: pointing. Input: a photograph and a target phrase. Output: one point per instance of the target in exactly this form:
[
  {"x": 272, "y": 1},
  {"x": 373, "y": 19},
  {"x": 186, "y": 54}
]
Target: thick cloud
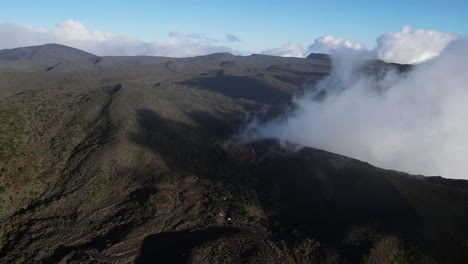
[
  {"x": 409, "y": 46},
  {"x": 412, "y": 45},
  {"x": 75, "y": 34},
  {"x": 415, "y": 122},
  {"x": 328, "y": 44},
  {"x": 288, "y": 50}
]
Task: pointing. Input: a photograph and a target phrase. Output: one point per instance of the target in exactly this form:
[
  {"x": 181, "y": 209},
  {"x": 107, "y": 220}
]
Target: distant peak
[
  {"x": 50, "y": 51},
  {"x": 318, "y": 56}
]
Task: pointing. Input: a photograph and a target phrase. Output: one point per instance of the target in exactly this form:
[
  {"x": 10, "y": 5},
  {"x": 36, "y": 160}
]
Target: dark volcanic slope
[
  {"x": 44, "y": 52},
  {"x": 131, "y": 159},
  {"x": 319, "y": 56}
]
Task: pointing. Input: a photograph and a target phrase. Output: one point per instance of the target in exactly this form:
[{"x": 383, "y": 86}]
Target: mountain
[
  {"x": 319, "y": 56},
  {"x": 137, "y": 160},
  {"x": 45, "y": 52}
]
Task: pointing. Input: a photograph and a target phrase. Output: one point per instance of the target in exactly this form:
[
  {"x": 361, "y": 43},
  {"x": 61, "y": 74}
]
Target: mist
[{"x": 414, "y": 121}]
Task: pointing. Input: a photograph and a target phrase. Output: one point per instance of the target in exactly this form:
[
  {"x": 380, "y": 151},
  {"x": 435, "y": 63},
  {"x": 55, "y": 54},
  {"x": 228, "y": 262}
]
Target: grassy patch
[
  {"x": 239, "y": 202},
  {"x": 11, "y": 133},
  {"x": 160, "y": 199},
  {"x": 168, "y": 178}
]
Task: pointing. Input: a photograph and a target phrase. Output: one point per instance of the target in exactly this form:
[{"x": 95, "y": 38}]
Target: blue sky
[{"x": 259, "y": 24}]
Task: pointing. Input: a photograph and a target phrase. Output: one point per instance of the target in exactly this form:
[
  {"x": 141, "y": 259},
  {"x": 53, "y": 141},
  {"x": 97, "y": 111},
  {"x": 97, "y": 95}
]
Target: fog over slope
[{"x": 413, "y": 122}]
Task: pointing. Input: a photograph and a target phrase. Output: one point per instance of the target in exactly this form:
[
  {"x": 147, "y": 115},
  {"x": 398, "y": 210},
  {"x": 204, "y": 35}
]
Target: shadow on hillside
[
  {"x": 184, "y": 148},
  {"x": 176, "y": 247},
  {"x": 318, "y": 193},
  {"x": 221, "y": 125},
  {"x": 240, "y": 87},
  {"x": 327, "y": 193}
]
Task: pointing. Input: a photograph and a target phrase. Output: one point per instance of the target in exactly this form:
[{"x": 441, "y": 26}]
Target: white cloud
[
  {"x": 70, "y": 30},
  {"x": 232, "y": 38},
  {"x": 196, "y": 37},
  {"x": 406, "y": 46},
  {"x": 288, "y": 50},
  {"x": 414, "y": 122},
  {"x": 328, "y": 44},
  {"x": 183, "y": 48},
  {"x": 325, "y": 44},
  {"x": 409, "y": 46},
  {"x": 75, "y": 34},
  {"x": 412, "y": 45}
]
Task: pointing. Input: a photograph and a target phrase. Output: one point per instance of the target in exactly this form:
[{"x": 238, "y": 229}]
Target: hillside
[
  {"x": 45, "y": 52},
  {"x": 136, "y": 160}
]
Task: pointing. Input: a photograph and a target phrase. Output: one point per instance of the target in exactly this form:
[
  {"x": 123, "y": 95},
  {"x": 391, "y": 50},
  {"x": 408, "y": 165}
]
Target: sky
[{"x": 258, "y": 25}]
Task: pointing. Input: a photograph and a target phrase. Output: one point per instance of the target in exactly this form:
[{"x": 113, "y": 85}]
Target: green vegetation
[
  {"x": 391, "y": 250},
  {"x": 12, "y": 133},
  {"x": 307, "y": 251},
  {"x": 168, "y": 178},
  {"x": 240, "y": 203}
]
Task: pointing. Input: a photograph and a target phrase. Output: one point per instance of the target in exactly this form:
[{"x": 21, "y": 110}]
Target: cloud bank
[
  {"x": 408, "y": 46},
  {"x": 328, "y": 44},
  {"x": 75, "y": 34},
  {"x": 288, "y": 50},
  {"x": 413, "y": 122},
  {"x": 412, "y": 46}
]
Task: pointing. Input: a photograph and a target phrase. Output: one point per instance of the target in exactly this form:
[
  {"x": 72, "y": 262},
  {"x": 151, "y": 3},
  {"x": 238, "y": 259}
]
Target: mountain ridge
[{"x": 50, "y": 51}]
